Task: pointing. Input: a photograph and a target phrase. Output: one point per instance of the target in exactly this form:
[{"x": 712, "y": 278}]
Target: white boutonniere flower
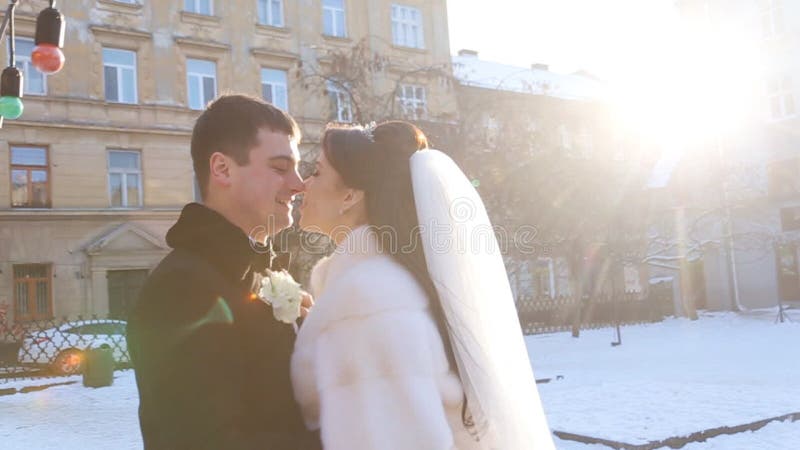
[{"x": 284, "y": 294}]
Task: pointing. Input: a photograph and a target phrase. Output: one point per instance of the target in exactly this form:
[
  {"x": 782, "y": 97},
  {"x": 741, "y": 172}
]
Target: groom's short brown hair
[{"x": 230, "y": 125}]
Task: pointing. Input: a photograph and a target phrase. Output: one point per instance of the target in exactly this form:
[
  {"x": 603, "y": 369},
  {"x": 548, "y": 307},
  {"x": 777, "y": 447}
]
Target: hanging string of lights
[{"x": 47, "y": 56}]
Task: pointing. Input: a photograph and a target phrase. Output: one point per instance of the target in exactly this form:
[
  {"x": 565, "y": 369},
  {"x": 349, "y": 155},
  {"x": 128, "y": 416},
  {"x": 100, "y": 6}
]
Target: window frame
[
  {"x": 25, "y": 64},
  {"x": 780, "y": 176},
  {"x": 771, "y": 19},
  {"x": 32, "y": 290},
  {"x": 268, "y": 20},
  {"x": 405, "y": 101},
  {"x": 565, "y": 137},
  {"x": 273, "y": 85},
  {"x": 334, "y": 24},
  {"x": 343, "y": 101},
  {"x": 195, "y": 9},
  {"x": 783, "y": 95},
  {"x": 120, "y": 84},
  {"x": 124, "y": 185},
  {"x": 790, "y": 218},
  {"x": 28, "y": 168},
  {"x": 200, "y": 76},
  {"x": 538, "y": 265},
  {"x": 397, "y": 22}
]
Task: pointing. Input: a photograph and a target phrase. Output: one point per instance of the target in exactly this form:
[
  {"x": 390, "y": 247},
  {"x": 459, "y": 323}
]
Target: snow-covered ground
[
  {"x": 667, "y": 379},
  {"x": 673, "y": 379},
  {"x": 71, "y": 417}
]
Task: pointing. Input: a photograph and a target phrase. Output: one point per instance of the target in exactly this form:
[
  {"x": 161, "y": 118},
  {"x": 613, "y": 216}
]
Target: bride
[{"x": 414, "y": 342}]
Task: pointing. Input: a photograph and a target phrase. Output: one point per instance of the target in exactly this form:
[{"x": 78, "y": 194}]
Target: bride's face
[{"x": 324, "y": 199}]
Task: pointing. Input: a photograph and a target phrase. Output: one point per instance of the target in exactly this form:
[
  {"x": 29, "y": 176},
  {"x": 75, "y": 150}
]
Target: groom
[{"x": 211, "y": 361}]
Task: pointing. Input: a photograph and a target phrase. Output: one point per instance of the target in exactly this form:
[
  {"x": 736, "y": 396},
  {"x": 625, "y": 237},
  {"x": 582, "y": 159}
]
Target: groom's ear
[
  {"x": 352, "y": 198},
  {"x": 220, "y": 168}
]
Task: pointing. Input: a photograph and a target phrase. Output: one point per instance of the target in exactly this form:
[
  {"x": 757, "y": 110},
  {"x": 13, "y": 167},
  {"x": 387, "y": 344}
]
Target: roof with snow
[{"x": 471, "y": 71}]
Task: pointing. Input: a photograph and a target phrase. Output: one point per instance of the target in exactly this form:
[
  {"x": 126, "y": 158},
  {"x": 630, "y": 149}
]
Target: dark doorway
[{"x": 123, "y": 287}]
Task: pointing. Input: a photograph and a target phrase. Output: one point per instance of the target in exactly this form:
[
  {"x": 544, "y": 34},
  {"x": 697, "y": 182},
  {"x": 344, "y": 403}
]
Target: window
[
  {"x": 30, "y": 176},
  {"x": 32, "y": 293},
  {"x": 270, "y": 12},
  {"x": 633, "y": 278},
  {"x": 35, "y": 82},
  {"x": 341, "y": 106},
  {"x": 204, "y": 7},
  {"x": 544, "y": 278},
  {"x": 273, "y": 87},
  {"x": 790, "y": 218},
  {"x": 202, "y": 82},
  {"x": 407, "y": 27},
  {"x": 585, "y": 141},
  {"x": 565, "y": 137},
  {"x": 124, "y": 179},
  {"x": 491, "y": 127},
  {"x": 780, "y": 93},
  {"x": 119, "y": 74},
  {"x": 412, "y": 101},
  {"x": 783, "y": 178},
  {"x": 771, "y": 19},
  {"x": 333, "y": 18}
]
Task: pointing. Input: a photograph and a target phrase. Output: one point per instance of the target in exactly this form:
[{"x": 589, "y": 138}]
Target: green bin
[{"x": 98, "y": 367}]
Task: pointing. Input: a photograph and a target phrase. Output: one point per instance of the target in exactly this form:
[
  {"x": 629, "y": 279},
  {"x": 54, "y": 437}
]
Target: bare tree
[
  {"x": 369, "y": 79},
  {"x": 366, "y": 82},
  {"x": 534, "y": 165}
]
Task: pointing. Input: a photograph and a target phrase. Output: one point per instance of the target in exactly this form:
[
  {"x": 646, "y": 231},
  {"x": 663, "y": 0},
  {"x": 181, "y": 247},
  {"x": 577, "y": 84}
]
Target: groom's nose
[{"x": 295, "y": 183}]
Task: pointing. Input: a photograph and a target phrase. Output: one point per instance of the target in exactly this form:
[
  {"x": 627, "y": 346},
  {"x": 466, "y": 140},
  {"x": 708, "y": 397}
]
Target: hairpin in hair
[{"x": 368, "y": 129}]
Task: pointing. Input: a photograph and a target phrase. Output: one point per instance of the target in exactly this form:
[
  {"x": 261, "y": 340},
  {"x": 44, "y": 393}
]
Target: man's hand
[{"x": 306, "y": 303}]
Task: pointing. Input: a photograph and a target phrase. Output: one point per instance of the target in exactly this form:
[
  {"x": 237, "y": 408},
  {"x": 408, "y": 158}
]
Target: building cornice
[
  {"x": 200, "y": 19},
  {"x": 8, "y": 214},
  {"x": 26, "y": 18},
  {"x": 286, "y": 59},
  {"x": 104, "y": 30},
  {"x": 272, "y": 31},
  {"x": 202, "y": 45},
  {"x": 117, "y": 6},
  {"x": 97, "y": 102},
  {"x": 82, "y": 126}
]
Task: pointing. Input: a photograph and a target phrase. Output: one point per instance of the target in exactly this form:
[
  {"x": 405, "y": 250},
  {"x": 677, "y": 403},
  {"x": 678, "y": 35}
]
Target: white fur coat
[{"x": 369, "y": 367}]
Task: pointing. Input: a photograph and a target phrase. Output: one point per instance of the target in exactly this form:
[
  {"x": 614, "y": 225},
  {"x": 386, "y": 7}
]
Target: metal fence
[
  {"x": 549, "y": 315},
  {"x": 55, "y": 347}
]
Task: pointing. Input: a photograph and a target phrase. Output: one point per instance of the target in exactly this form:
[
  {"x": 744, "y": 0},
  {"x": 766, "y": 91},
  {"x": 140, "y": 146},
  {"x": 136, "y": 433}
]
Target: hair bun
[
  {"x": 372, "y": 158},
  {"x": 399, "y": 139}
]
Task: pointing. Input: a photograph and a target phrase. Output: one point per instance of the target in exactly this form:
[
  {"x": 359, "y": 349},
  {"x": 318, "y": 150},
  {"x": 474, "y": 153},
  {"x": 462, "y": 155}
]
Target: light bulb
[
  {"x": 11, "y": 107},
  {"x": 47, "y": 58},
  {"x": 47, "y": 55}
]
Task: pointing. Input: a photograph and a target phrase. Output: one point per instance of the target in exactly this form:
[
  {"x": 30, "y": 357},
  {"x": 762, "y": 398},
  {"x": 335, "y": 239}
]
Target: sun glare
[{"x": 693, "y": 87}]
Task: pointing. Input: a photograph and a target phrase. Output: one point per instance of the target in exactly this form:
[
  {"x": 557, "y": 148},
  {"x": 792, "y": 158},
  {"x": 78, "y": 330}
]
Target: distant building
[
  {"x": 511, "y": 114},
  {"x": 743, "y": 184},
  {"x": 97, "y": 168}
]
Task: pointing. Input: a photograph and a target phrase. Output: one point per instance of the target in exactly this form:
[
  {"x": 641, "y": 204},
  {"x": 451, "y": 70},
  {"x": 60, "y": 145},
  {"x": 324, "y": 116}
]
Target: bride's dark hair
[{"x": 376, "y": 161}]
